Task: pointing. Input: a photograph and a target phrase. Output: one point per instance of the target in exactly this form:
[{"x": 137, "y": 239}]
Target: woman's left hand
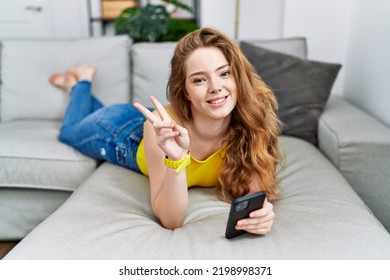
[{"x": 259, "y": 221}]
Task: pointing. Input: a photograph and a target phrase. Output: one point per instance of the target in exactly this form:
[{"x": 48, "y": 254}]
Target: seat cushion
[
  {"x": 37, "y": 174},
  {"x": 22, "y": 209},
  {"x": 27, "y": 64},
  {"x": 31, "y": 156},
  {"x": 318, "y": 216}
]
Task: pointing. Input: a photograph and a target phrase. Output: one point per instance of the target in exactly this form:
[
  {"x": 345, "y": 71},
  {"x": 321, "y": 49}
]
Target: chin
[{"x": 223, "y": 112}]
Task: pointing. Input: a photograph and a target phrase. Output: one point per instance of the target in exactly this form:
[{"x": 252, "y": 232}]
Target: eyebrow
[{"x": 202, "y": 72}]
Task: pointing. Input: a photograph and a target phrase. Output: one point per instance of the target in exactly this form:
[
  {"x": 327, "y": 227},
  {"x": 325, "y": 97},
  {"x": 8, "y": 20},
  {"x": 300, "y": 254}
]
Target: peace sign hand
[{"x": 172, "y": 138}]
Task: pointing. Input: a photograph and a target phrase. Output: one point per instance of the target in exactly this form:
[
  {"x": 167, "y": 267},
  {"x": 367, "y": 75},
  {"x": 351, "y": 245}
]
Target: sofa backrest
[
  {"x": 25, "y": 66},
  {"x": 151, "y": 64},
  {"x": 126, "y": 72},
  {"x": 150, "y": 71}
]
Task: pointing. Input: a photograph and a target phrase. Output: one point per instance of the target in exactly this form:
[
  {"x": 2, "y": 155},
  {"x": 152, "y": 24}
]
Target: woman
[{"x": 220, "y": 129}]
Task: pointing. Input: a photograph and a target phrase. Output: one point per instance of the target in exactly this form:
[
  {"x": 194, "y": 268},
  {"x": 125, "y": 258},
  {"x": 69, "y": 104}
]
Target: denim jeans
[{"x": 110, "y": 133}]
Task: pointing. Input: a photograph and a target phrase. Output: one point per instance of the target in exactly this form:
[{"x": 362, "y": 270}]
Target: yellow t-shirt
[{"x": 203, "y": 173}]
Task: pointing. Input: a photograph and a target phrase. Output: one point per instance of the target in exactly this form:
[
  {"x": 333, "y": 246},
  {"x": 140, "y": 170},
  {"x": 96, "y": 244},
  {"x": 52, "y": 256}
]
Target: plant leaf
[
  {"x": 152, "y": 23},
  {"x": 148, "y": 23},
  {"x": 180, "y": 5},
  {"x": 178, "y": 28}
]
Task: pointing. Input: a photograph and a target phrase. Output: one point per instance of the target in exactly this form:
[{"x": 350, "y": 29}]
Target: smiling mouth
[{"x": 217, "y": 101}]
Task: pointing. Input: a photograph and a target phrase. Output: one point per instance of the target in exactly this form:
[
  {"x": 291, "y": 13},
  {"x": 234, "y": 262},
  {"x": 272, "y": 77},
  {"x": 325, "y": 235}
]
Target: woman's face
[{"x": 210, "y": 85}]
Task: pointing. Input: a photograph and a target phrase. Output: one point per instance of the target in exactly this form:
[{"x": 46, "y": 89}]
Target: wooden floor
[{"x": 6, "y": 246}]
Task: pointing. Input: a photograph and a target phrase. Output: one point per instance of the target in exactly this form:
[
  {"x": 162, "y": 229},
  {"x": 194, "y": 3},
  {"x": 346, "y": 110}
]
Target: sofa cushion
[
  {"x": 27, "y": 64},
  {"x": 110, "y": 217},
  {"x": 301, "y": 86},
  {"x": 32, "y": 157},
  {"x": 22, "y": 209},
  {"x": 150, "y": 71}
]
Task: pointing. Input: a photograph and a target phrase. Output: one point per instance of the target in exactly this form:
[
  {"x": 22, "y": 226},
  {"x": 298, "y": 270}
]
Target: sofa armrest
[{"x": 359, "y": 146}]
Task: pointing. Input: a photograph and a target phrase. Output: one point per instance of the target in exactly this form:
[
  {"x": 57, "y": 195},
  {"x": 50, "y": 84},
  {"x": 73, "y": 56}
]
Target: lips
[{"x": 217, "y": 101}]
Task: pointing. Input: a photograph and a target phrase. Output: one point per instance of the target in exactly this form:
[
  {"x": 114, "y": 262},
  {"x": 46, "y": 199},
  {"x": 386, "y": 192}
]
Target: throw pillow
[{"x": 301, "y": 86}]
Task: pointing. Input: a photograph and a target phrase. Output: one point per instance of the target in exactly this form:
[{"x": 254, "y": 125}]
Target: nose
[{"x": 215, "y": 86}]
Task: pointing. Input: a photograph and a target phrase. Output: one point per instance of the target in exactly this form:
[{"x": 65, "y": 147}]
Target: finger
[
  {"x": 145, "y": 111},
  {"x": 255, "y": 225},
  {"x": 262, "y": 213},
  {"x": 251, "y": 223},
  {"x": 163, "y": 124},
  {"x": 260, "y": 231},
  {"x": 168, "y": 135},
  {"x": 257, "y": 228},
  {"x": 257, "y": 220},
  {"x": 182, "y": 131},
  {"x": 267, "y": 209},
  {"x": 160, "y": 109}
]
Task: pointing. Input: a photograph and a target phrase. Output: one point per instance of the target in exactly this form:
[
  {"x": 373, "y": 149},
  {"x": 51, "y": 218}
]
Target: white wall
[
  {"x": 218, "y": 14},
  {"x": 257, "y": 18},
  {"x": 261, "y": 19},
  {"x": 368, "y": 58},
  {"x": 325, "y": 24},
  {"x": 70, "y": 18},
  {"x": 44, "y": 19}
]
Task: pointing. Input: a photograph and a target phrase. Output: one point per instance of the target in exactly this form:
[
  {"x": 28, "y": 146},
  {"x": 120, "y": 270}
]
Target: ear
[{"x": 187, "y": 95}]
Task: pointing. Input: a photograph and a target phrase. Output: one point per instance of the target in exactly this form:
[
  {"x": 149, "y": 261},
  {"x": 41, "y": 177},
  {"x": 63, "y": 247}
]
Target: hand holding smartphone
[{"x": 240, "y": 209}]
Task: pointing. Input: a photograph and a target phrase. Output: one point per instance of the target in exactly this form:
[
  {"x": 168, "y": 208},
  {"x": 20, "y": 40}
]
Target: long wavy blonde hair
[{"x": 252, "y": 141}]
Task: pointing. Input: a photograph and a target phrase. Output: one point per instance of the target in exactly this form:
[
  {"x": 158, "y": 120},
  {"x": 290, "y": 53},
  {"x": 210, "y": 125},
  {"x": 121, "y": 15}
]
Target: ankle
[{"x": 84, "y": 73}]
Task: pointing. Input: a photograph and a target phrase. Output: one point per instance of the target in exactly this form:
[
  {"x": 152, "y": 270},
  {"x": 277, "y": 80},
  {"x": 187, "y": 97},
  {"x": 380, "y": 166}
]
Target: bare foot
[
  {"x": 64, "y": 81},
  {"x": 83, "y": 73}
]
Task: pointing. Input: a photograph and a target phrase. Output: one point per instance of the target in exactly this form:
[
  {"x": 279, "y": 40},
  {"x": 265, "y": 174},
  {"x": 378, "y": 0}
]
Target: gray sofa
[{"x": 63, "y": 205}]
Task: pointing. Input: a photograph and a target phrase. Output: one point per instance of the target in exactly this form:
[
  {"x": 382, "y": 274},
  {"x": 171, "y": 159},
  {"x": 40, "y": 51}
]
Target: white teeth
[{"x": 217, "y": 101}]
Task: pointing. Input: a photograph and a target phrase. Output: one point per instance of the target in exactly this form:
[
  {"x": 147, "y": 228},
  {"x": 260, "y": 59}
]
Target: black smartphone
[{"x": 240, "y": 209}]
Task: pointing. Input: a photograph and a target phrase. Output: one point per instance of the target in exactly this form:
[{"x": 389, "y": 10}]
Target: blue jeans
[{"x": 110, "y": 133}]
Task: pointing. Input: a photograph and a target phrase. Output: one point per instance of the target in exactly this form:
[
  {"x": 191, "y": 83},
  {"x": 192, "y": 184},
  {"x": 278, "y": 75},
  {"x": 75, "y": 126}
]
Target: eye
[
  {"x": 198, "y": 80},
  {"x": 225, "y": 73}
]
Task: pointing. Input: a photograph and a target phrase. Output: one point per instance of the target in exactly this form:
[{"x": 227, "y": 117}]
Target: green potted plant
[{"x": 153, "y": 23}]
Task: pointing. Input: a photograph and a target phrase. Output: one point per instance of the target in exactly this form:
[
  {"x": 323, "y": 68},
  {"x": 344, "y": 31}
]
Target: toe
[
  {"x": 57, "y": 79},
  {"x": 64, "y": 81}
]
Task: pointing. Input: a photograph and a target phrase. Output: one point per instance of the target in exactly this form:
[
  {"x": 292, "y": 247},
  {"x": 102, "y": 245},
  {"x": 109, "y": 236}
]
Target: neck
[{"x": 209, "y": 130}]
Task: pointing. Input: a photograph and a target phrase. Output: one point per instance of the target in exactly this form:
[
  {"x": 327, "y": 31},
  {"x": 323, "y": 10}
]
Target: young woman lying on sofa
[{"x": 220, "y": 129}]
